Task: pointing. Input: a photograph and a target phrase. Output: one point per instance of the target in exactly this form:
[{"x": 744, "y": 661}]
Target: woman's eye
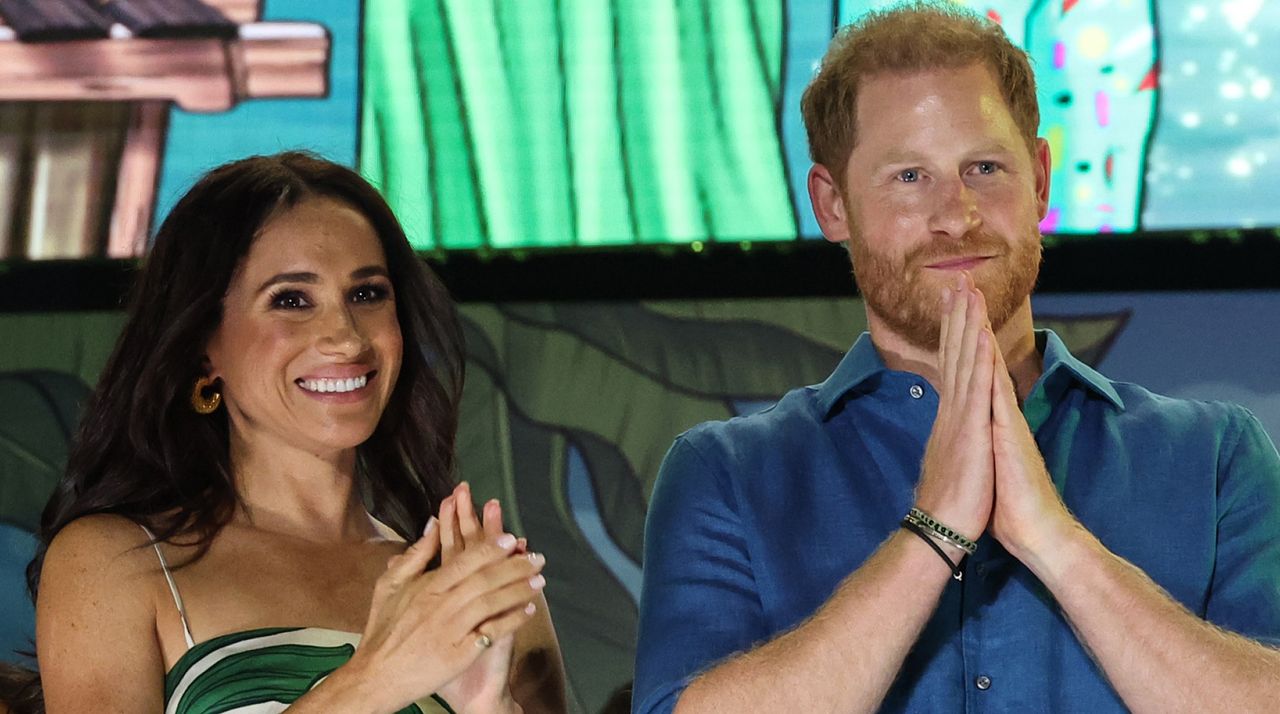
[
  {"x": 909, "y": 176},
  {"x": 369, "y": 293},
  {"x": 289, "y": 300}
]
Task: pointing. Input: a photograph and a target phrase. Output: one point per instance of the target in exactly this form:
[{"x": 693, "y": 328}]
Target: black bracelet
[{"x": 956, "y": 571}]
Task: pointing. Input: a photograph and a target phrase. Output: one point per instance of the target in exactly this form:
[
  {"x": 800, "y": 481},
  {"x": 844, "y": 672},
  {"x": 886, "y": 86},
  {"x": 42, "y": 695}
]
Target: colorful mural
[
  {"x": 547, "y": 124},
  {"x": 569, "y": 407},
  {"x": 85, "y": 97},
  {"x": 544, "y": 124}
]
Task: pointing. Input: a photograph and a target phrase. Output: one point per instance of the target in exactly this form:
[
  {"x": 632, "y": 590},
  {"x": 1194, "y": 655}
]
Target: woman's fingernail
[
  {"x": 530, "y": 609},
  {"x": 537, "y": 582},
  {"x": 536, "y": 558},
  {"x": 506, "y": 541},
  {"x": 431, "y": 525},
  {"x": 946, "y": 296}
]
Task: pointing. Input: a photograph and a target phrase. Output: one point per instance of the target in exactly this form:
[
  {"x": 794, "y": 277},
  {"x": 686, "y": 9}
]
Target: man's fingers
[
  {"x": 970, "y": 367},
  {"x": 955, "y": 332},
  {"x": 966, "y": 365},
  {"x": 983, "y": 374},
  {"x": 1004, "y": 400},
  {"x": 944, "y": 311}
]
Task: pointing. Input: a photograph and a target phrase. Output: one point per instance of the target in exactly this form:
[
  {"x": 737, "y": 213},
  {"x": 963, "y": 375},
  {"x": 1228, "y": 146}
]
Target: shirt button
[
  {"x": 983, "y": 682},
  {"x": 916, "y": 391}
]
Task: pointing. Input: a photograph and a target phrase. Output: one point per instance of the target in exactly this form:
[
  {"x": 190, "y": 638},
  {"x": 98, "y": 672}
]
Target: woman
[{"x": 275, "y": 425}]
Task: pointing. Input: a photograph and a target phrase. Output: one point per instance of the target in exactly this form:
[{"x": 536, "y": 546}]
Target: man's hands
[
  {"x": 958, "y": 482},
  {"x": 982, "y": 467},
  {"x": 1029, "y": 514}
]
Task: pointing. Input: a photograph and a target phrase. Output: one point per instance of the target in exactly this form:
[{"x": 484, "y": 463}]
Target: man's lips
[{"x": 963, "y": 263}]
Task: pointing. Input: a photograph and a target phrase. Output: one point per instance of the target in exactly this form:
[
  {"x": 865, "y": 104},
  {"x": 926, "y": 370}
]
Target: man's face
[{"x": 940, "y": 181}]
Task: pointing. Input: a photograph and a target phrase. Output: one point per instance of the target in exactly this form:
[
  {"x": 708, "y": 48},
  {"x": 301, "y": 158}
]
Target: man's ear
[
  {"x": 1043, "y": 165},
  {"x": 828, "y": 204}
]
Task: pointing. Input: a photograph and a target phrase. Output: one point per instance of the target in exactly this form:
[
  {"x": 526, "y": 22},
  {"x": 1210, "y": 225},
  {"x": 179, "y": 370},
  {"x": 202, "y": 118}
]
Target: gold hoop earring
[{"x": 201, "y": 403}]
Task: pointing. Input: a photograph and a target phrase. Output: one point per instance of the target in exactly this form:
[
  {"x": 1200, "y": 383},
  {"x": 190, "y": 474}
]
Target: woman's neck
[{"x": 295, "y": 492}]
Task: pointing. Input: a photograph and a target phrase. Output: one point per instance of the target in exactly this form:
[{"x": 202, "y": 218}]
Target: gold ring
[{"x": 484, "y": 641}]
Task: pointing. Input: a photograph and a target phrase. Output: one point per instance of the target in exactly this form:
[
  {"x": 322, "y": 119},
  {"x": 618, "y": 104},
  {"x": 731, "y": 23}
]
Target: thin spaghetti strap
[{"x": 177, "y": 599}]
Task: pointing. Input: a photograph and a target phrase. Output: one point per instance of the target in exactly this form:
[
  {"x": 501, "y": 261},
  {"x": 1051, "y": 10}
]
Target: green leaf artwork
[{"x": 567, "y": 413}]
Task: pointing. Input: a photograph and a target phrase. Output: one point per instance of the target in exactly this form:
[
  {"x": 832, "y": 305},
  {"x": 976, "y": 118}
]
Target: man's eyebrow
[
  {"x": 995, "y": 147},
  {"x": 898, "y": 156},
  {"x": 289, "y": 278}
]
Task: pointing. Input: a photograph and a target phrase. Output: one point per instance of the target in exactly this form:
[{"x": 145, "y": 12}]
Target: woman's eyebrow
[{"x": 289, "y": 278}]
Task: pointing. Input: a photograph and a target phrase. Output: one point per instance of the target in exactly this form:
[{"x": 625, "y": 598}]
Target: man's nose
[{"x": 955, "y": 211}]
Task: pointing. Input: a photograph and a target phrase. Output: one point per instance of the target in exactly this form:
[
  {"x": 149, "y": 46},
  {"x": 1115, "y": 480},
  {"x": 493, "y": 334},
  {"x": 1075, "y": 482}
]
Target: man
[{"x": 1128, "y": 545}]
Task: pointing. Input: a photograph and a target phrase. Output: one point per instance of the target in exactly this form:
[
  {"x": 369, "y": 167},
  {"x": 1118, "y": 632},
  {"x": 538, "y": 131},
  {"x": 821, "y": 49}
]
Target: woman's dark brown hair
[{"x": 143, "y": 453}]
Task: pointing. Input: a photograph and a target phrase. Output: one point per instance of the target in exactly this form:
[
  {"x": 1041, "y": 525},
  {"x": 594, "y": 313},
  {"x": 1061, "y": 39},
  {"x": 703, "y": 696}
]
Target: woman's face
[{"x": 309, "y": 346}]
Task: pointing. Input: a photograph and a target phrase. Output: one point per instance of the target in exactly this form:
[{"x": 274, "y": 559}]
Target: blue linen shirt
[{"x": 754, "y": 522}]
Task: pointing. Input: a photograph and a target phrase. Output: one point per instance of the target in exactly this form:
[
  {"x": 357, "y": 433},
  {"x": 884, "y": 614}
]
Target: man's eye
[
  {"x": 909, "y": 176},
  {"x": 289, "y": 300},
  {"x": 987, "y": 167}
]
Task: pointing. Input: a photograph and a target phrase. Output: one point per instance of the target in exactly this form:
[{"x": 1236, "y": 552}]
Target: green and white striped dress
[{"x": 259, "y": 671}]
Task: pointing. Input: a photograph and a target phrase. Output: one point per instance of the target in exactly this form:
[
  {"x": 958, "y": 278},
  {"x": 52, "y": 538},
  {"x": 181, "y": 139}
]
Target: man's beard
[{"x": 895, "y": 289}]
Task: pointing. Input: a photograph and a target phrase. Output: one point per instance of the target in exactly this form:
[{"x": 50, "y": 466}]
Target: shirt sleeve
[
  {"x": 1245, "y": 591},
  {"x": 699, "y": 602}
]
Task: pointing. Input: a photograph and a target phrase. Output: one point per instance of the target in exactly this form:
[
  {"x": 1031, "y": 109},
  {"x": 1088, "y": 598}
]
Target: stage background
[{"x": 521, "y": 138}]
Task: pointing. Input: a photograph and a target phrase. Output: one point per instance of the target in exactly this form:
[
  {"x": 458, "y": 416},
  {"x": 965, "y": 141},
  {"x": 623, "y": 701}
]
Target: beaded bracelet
[{"x": 931, "y": 525}]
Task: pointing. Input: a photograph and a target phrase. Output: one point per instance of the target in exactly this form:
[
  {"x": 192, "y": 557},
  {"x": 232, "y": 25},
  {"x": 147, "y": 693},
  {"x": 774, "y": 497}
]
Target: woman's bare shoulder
[
  {"x": 95, "y": 618},
  {"x": 98, "y": 558},
  {"x": 102, "y": 540}
]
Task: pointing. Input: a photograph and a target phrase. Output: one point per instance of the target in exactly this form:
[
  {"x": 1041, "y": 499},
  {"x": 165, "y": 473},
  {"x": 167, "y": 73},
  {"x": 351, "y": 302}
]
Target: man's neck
[{"x": 1016, "y": 338}]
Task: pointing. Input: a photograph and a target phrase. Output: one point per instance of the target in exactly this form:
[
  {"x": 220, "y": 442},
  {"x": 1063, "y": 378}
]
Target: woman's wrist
[
  {"x": 505, "y": 705},
  {"x": 348, "y": 689}
]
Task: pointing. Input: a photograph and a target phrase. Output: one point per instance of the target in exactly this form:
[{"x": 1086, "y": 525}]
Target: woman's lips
[{"x": 337, "y": 389}]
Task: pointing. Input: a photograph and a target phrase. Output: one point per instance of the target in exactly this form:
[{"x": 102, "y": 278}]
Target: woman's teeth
[{"x": 333, "y": 385}]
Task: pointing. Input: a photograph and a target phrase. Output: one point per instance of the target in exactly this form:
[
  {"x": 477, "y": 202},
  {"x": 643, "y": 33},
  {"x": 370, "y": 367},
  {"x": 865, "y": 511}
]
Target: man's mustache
[{"x": 972, "y": 243}]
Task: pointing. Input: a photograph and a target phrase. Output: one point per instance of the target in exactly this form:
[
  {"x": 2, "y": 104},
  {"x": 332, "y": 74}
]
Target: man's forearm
[
  {"x": 844, "y": 657},
  {"x": 1157, "y": 655}
]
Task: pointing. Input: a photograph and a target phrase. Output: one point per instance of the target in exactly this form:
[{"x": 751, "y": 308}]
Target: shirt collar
[
  {"x": 1061, "y": 370},
  {"x": 859, "y": 364}
]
